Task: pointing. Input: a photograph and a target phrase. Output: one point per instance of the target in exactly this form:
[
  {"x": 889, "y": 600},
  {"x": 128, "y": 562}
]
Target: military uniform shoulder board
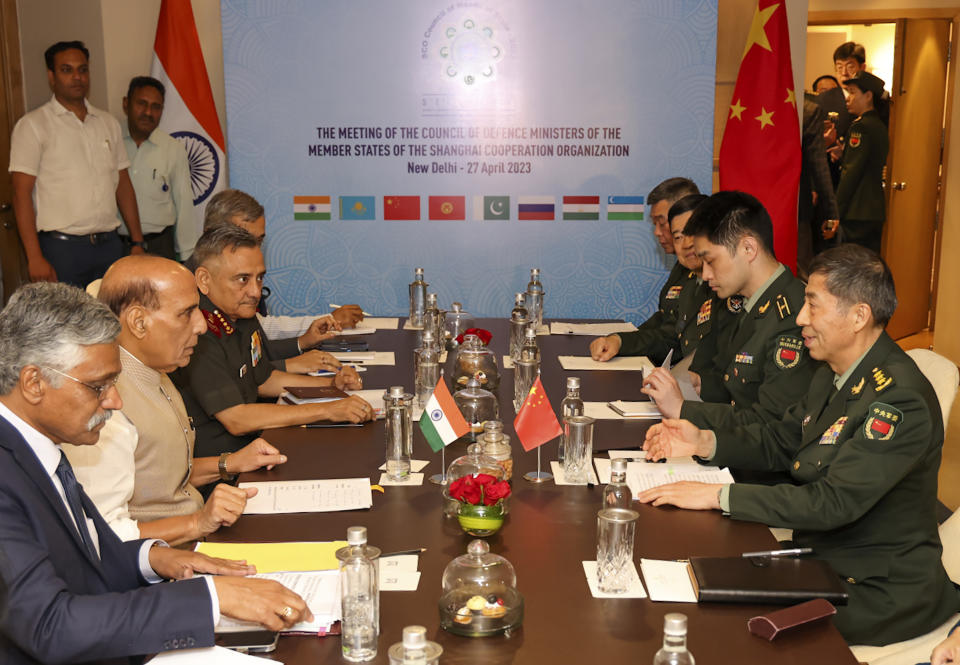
[
  {"x": 882, "y": 421},
  {"x": 735, "y": 304},
  {"x": 789, "y": 352},
  {"x": 704, "y": 314},
  {"x": 880, "y": 380},
  {"x": 855, "y": 139},
  {"x": 674, "y": 292},
  {"x": 216, "y": 323},
  {"x": 783, "y": 307}
]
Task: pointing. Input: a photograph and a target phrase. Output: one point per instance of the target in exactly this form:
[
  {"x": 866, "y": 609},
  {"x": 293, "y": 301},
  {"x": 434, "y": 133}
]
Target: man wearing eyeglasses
[
  {"x": 71, "y": 590},
  {"x": 142, "y": 475}
]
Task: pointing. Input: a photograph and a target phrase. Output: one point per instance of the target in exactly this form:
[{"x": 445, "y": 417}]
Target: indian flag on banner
[
  {"x": 441, "y": 422},
  {"x": 625, "y": 207},
  {"x": 311, "y": 207},
  {"x": 581, "y": 207}
]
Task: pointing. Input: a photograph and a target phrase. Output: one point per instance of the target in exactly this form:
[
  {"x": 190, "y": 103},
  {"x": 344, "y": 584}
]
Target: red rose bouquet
[{"x": 481, "y": 488}]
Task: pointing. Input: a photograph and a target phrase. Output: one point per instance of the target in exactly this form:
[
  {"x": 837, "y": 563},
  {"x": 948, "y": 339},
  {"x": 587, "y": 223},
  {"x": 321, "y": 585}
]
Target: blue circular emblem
[
  {"x": 436, "y": 414},
  {"x": 204, "y": 164}
]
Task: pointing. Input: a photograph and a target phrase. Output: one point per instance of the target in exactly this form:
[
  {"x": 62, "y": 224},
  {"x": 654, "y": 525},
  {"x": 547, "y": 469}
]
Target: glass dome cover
[
  {"x": 480, "y": 596},
  {"x": 475, "y": 361},
  {"x": 476, "y": 405}
]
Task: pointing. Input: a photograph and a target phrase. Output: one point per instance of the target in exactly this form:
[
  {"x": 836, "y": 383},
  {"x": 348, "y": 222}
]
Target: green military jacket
[
  {"x": 684, "y": 318},
  {"x": 865, "y": 466},
  {"x": 758, "y": 366},
  {"x": 860, "y": 190},
  {"x": 228, "y": 366}
]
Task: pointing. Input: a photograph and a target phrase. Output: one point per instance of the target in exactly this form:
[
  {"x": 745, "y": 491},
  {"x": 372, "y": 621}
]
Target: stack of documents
[
  {"x": 642, "y": 475},
  {"x": 592, "y": 329},
  {"x": 320, "y": 589},
  {"x": 580, "y": 363},
  {"x": 309, "y": 496}
]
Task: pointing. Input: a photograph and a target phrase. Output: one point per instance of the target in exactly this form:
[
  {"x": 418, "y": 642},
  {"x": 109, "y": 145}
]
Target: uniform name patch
[
  {"x": 789, "y": 352},
  {"x": 674, "y": 292},
  {"x": 704, "y": 314},
  {"x": 882, "y": 421},
  {"x": 830, "y": 437}
]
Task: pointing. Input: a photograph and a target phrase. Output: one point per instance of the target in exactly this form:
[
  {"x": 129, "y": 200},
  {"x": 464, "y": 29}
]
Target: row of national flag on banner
[
  {"x": 585, "y": 208},
  {"x": 442, "y": 423}
]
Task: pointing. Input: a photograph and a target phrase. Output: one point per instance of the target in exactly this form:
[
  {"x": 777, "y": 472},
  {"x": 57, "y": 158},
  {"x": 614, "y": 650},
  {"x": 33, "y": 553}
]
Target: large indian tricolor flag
[
  {"x": 189, "y": 112},
  {"x": 441, "y": 422}
]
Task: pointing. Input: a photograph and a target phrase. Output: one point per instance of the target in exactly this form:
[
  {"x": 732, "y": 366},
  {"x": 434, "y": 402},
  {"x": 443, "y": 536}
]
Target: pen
[
  {"x": 332, "y": 306},
  {"x": 796, "y": 551},
  {"x": 644, "y": 459},
  {"x": 419, "y": 550}
]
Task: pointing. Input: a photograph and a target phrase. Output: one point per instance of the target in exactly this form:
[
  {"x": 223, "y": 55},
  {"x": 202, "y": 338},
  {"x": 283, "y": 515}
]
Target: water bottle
[
  {"x": 415, "y": 649},
  {"x": 571, "y": 405},
  {"x": 674, "y": 651},
  {"x": 426, "y": 368},
  {"x": 616, "y": 494},
  {"x": 430, "y": 315},
  {"x": 526, "y": 369},
  {"x": 519, "y": 320},
  {"x": 418, "y": 298},
  {"x": 530, "y": 352},
  {"x": 360, "y": 597},
  {"x": 398, "y": 413},
  {"x": 535, "y": 297}
]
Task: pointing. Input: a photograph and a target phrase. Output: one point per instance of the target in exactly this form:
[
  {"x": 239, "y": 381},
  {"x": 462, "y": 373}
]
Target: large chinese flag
[
  {"x": 760, "y": 152},
  {"x": 536, "y": 422}
]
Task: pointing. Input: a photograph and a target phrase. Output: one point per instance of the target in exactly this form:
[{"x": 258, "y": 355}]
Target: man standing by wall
[
  {"x": 69, "y": 155},
  {"x": 160, "y": 174}
]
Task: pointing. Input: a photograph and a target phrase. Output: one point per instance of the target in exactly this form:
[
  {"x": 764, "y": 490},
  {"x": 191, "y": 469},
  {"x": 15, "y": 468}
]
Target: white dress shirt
[
  {"x": 77, "y": 166},
  {"x": 284, "y": 327}
]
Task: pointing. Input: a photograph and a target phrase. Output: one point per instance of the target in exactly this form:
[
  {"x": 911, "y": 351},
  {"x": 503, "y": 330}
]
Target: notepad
[
  {"x": 621, "y": 363},
  {"x": 648, "y": 410},
  {"x": 592, "y": 329},
  {"x": 278, "y": 557},
  {"x": 308, "y": 496},
  {"x": 668, "y": 581}
]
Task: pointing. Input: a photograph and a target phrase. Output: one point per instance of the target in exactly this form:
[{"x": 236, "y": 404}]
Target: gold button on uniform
[
  {"x": 726, "y": 377},
  {"x": 851, "y": 580},
  {"x": 796, "y": 465}
]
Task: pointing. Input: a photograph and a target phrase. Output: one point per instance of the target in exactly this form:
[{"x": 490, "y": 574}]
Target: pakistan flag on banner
[{"x": 491, "y": 207}]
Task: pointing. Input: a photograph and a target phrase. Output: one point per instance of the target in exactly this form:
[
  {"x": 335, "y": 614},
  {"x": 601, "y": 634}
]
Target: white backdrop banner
[{"x": 474, "y": 139}]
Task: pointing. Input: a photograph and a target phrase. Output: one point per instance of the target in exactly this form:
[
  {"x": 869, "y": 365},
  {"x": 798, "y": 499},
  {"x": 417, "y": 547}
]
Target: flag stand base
[
  {"x": 441, "y": 478},
  {"x": 438, "y": 479},
  {"x": 538, "y": 476}
]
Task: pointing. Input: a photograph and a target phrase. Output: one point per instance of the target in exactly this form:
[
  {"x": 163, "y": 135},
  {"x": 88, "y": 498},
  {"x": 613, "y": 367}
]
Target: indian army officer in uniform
[
  {"x": 229, "y": 370},
  {"x": 754, "y": 368},
  {"x": 862, "y": 448},
  {"x": 649, "y": 338},
  {"x": 860, "y": 190}
]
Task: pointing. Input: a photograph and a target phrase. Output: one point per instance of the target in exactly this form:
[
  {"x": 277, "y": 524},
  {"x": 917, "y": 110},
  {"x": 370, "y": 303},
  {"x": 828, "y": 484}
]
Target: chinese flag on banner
[
  {"x": 401, "y": 207},
  {"x": 760, "y": 152},
  {"x": 536, "y": 423}
]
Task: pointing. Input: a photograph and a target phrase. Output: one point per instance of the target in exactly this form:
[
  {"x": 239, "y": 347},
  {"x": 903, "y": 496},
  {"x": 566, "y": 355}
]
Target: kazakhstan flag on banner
[{"x": 357, "y": 207}]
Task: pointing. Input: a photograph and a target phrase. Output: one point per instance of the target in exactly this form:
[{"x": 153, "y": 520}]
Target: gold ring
[{"x": 287, "y": 612}]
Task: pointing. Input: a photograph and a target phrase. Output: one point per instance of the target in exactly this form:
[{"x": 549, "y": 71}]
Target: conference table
[{"x": 549, "y": 531}]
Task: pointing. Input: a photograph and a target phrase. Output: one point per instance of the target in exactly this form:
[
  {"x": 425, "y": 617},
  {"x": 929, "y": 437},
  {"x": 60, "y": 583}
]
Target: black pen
[
  {"x": 419, "y": 550},
  {"x": 796, "y": 551}
]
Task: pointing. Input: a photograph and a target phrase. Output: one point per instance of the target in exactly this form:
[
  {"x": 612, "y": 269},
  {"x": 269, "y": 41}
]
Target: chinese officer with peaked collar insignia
[{"x": 862, "y": 448}]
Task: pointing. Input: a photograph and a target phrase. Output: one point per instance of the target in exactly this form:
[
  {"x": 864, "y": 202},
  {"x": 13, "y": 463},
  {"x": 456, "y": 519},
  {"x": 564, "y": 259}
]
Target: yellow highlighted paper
[{"x": 278, "y": 557}]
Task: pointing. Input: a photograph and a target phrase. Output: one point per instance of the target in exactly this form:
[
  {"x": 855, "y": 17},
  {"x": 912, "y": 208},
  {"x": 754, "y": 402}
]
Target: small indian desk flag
[
  {"x": 441, "y": 422},
  {"x": 536, "y": 423}
]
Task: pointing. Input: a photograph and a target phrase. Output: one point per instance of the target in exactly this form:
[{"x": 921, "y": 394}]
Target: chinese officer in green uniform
[
  {"x": 753, "y": 364},
  {"x": 860, "y": 190},
  {"x": 862, "y": 448},
  {"x": 657, "y": 335}
]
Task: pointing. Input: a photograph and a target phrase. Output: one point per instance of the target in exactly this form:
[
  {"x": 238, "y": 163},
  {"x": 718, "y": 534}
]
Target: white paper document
[
  {"x": 415, "y": 465},
  {"x": 399, "y": 573},
  {"x": 320, "y": 589},
  {"x": 636, "y": 410},
  {"x": 600, "y": 411},
  {"x": 681, "y": 372},
  {"x": 668, "y": 581},
  {"x": 380, "y": 322},
  {"x": 365, "y": 358},
  {"x": 309, "y": 496},
  {"x": 644, "y": 475},
  {"x": 602, "y": 464},
  {"x": 373, "y": 396},
  {"x": 560, "y": 479},
  {"x": 359, "y": 330},
  {"x": 592, "y": 329},
  {"x": 621, "y": 363},
  {"x": 634, "y": 589},
  {"x": 412, "y": 480},
  {"x": 207, "y": 656}
]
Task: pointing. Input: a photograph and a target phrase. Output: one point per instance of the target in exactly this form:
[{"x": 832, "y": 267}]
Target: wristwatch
[
  {"x": 137, "y": 243},
  {"x": 222, "y": 468}
]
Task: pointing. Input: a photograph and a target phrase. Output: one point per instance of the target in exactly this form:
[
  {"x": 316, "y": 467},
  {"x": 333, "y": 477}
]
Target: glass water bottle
[
  {"x": 519, "y": 320},
  {"x": 360, "y": 597},
  {"x": 571, "y": 405},
  {"x": 535, "y": 296},
  {"x": 674, "y": 651},
  {"x": 398, "y": 414},
  {"x": 418, "y": 298},
  {"x": 617, "y": 494}
]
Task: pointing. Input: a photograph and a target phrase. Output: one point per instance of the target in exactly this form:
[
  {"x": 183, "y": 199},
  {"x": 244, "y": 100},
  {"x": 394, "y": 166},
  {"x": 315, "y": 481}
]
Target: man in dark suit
[
  {"x": 862, "y": 449},
  {"x": 70, "y": 590}
]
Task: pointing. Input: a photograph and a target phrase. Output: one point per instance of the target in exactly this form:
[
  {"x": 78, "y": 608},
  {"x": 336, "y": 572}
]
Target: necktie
[{"x": 71, "y": 488}]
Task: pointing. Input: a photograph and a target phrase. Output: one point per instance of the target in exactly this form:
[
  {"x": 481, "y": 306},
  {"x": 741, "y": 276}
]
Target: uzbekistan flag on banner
[
  {"x": 448, "y": 207},
  {"x": 441, "y": 422},
  {"x": 358, "y": 207},
  {"x": 536, "y": 422},
  {"x": 535, "y": 207},
  {"x": 581, "y": 207},
  {"x": 491, "y": 207},
  {"x": 311, "y": 207},
  {"x": 189, "y": 113},
  {"x": 401, "y": 207},
  {"x": 625, "y": 207}
]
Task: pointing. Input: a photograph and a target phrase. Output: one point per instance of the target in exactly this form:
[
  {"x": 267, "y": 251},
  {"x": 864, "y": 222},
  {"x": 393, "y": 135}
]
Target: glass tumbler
[
  {"x": 577, "y": 448},
  {"x": 616, "y": 528}
]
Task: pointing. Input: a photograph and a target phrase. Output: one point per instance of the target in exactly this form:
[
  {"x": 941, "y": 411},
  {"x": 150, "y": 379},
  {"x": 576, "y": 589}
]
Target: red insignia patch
[
  {"x": 213, "y": 323},
  {"x": 855, "y": 139}
]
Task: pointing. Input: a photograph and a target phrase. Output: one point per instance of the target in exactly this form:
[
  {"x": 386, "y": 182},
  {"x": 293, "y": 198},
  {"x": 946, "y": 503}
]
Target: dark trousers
[
  {"x": 868, "y": 233},
  {"x": 160, "y": 244},
  {"x": 79, "y": 260}
]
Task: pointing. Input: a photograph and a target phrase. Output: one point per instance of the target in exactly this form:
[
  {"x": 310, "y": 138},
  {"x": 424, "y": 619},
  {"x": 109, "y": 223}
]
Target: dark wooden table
[{"x": 549, "y": 531}]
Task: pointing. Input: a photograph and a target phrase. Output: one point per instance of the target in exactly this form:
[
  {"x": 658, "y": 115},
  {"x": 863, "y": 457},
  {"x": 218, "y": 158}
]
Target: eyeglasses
[{"x": 100, "y": 390}]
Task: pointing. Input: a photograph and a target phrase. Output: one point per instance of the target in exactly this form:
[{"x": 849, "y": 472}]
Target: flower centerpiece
[{"x": 481, "y": 503}]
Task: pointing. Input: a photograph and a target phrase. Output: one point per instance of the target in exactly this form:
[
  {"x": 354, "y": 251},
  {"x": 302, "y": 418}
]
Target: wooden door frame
[
  {"x": 12, "y": 91},
  {"x": 897, "y": 16}
]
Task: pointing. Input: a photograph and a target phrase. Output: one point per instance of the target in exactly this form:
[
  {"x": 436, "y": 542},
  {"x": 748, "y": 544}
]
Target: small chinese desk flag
[{"x": 536, "y": 423}]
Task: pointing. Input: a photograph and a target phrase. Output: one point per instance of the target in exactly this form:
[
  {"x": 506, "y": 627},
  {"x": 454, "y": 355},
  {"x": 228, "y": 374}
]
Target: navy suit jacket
[{"x": 58, "y": 604}]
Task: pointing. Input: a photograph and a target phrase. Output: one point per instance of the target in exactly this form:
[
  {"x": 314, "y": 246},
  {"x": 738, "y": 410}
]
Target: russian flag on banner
[
  {"x": 535, "y": 207},
  {"x": 189, "y": 113}
]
